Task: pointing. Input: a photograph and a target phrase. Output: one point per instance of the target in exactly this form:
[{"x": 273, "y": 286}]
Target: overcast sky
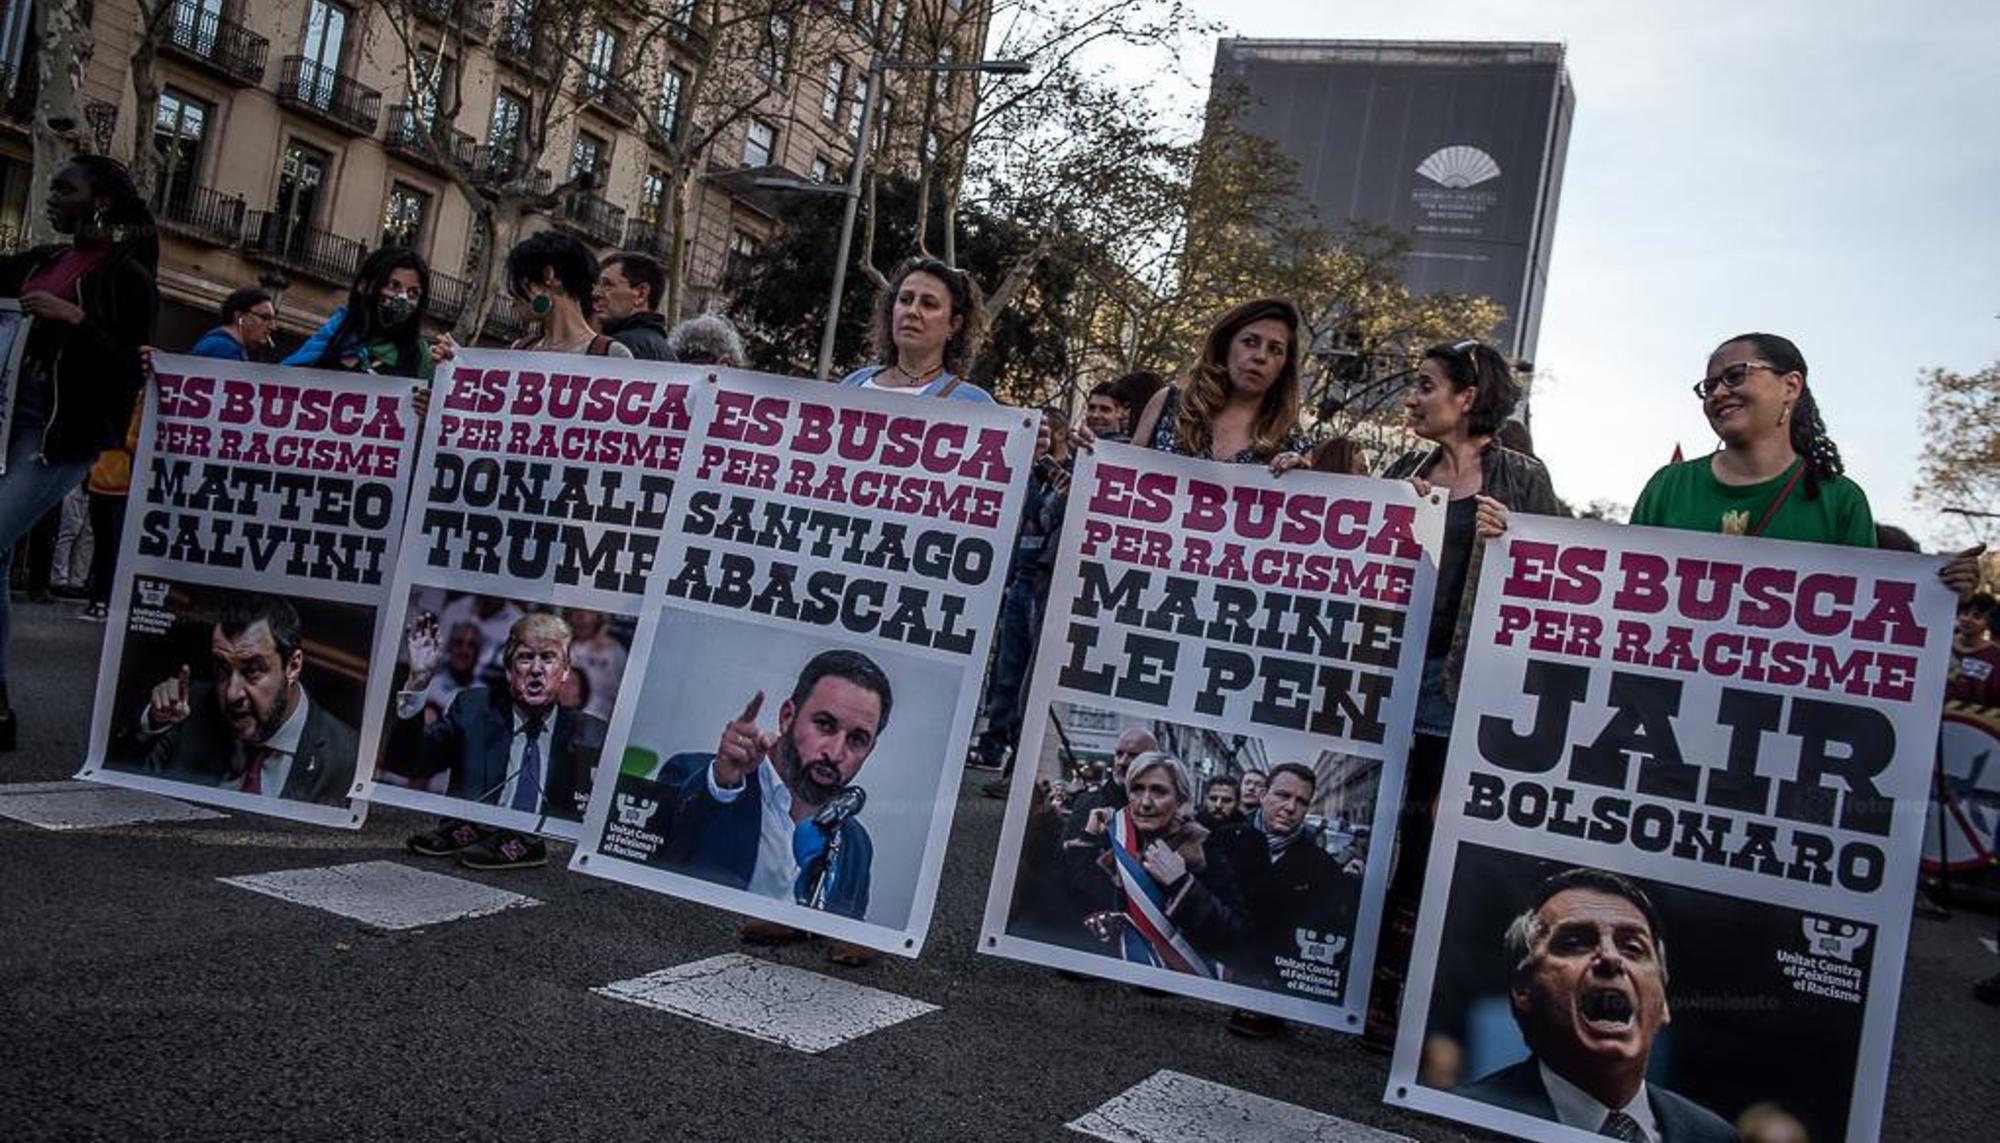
[{"x": 1828, "y": 170}]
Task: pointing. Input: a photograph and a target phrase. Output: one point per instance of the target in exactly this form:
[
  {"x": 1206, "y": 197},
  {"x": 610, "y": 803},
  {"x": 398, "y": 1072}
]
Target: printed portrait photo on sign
[
  {"x": 1185, "y": 849},
  {"x": 1578, "y": 995},
  {"x": 502, "y": 702},
  {"x": 786, "y": 764},
  {"x": 242, "y": 691}
]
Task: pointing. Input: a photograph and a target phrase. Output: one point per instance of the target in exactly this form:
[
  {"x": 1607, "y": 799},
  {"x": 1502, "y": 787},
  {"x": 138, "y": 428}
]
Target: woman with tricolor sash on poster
[{"x": 1143, "y": 869}]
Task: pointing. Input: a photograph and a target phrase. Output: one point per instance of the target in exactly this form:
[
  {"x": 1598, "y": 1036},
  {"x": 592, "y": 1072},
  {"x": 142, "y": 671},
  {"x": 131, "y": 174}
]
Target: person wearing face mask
[
  {"x": 1144, "y": 872},
  {"x": 249, "y": 321},
  {"x": 553, "y": 274},
  {"x": 927, "y": 328},
  {"x": 381, "y": 328},
  {"x": 93, "y": 304}
]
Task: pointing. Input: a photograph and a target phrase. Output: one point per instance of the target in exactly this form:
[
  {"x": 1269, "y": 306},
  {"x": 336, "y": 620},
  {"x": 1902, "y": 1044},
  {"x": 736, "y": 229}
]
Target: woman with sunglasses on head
[
  {"x": 926, "y": 331},
  {"x": 1460, "y": 397}
]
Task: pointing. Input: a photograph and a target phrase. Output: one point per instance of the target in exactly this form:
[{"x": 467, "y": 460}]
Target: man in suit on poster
[
  {"x": 253, "y": 728},
  {"x": 1587, "y": 975},
  {"x": 776, "y": 814}
]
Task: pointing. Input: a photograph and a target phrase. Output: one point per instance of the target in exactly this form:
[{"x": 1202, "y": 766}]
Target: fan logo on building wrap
[
  {"x": 1447, "y": 205},
  {"x": 1459, "y": 167}
]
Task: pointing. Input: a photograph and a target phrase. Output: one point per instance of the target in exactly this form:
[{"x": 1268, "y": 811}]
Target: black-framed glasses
[{"x": 1730, "y": 378}]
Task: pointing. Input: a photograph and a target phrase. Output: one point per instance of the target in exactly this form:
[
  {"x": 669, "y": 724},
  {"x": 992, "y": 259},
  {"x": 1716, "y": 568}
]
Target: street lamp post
[{"x": 872, "y": 84}]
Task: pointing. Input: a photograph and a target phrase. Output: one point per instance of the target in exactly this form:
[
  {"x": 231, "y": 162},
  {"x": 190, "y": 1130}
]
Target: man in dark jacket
[
  {"x": 253, "y": 729},
  {"x": 1300, "y": 905},
  {"x": 626, "y": 302}
]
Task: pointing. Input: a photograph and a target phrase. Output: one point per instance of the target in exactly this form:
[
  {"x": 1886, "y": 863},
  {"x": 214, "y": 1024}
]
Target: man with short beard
[
  {"x": 1587, "y": 975},
  {"x": 252, "y": 728},
  {"x": 762, "y": 812}
]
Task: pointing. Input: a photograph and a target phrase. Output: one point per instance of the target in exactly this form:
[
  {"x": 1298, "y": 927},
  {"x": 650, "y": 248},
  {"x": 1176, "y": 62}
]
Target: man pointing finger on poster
[{"x": 775, "y": 813}]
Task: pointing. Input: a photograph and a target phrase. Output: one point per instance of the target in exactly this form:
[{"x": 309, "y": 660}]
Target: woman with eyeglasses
[
  {"x": 1460, "y": 397},
  {"x": 927, "y": 328},
  {"x": 1777, "y": 473}
]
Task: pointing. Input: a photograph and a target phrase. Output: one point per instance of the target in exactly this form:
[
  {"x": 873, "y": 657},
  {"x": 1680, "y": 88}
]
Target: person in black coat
[
  {"x": 1300, "y": 905},
  {"x": 92, "y": 305},
  {"x": 625, "y": 304}
]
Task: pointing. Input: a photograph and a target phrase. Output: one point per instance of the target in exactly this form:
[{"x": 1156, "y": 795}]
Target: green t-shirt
[{"x": 1688, "y": 496}]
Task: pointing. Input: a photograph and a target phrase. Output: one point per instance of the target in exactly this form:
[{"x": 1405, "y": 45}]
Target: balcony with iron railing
[
  {"x": 334, "y": 99},
  {"x": 613, "y": 101},
  {"x": 473, "y": 17},
  {"x": 591, "y": 218},
  {"x": 433, "y": 145},
  {"x": 272, "y": 237},
  {"x": 200, "y": 213},
  {"x": 224, "y": 47},
  {"x": 17, "y": 95},
  {"x": 503, "y": 322},
  {"x": 646, "y": 238},
  {"x": 448, "y": 296},
  {"x": 518, "y": 43},
  {"x": 493, "y": 168}
]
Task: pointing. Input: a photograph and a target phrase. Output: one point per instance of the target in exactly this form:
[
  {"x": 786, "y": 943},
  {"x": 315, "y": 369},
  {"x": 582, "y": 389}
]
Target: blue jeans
[
  {"x": 1005, "y": 690},
  {"x": 27, "y": 492}
]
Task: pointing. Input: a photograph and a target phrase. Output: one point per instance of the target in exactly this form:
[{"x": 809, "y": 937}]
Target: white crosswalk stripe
[
  {"x": 384, "y": 894},
  {"x": 86, "y": 805},
  {"x": 772, "y": 1002},
  {"x": 1168, "y": 1107}
]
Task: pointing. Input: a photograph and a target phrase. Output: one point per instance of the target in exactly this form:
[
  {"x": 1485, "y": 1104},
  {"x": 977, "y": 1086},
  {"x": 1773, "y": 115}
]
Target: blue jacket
[
  {"x": 717, "y": 841},
  {"x": 217, "y": 343},
  {"x": 315, "y": 346},
  {"x": 474, "y": 741},
  {"x": 963, "y": 391}
]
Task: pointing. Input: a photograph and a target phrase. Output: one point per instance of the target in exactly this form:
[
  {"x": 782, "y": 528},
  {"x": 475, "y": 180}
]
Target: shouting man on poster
[
  {"x": 253, "y": 728},
  {"x": 775, "y": 814},
  {"x": 1587, "y": 973}
]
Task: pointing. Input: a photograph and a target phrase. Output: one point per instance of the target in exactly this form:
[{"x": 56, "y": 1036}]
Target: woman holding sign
[
  {"x": 1460, "y": 397},
  {"x": 1240, "y": 402},
  {"x": 927, "y": 328},
  {"x": 1777, "y": 473},
  {"x": 92, "y": 303},
  {"x": 381, "y": 328}
]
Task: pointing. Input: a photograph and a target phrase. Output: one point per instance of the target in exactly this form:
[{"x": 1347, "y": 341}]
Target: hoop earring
[
  {"x": 1784, "y": 414},
  {"x": 97, "y": 220}
]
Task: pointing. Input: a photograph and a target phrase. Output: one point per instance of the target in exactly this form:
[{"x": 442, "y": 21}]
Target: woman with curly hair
[
  {"x": 1240, "y": 402},
  {"x": 927, "y": 325}
]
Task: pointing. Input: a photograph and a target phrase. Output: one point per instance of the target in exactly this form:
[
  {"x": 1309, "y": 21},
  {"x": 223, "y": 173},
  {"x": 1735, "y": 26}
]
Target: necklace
[{"x": 917, "y": 379}]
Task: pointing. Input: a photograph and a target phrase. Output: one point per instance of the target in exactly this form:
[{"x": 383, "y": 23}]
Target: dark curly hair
[
  {"x": 968, "y": 307},
  {"x": 359, "y": 323},
  {"x": 1473, "y": 363},
  {"x": 1807, "y": 429}
]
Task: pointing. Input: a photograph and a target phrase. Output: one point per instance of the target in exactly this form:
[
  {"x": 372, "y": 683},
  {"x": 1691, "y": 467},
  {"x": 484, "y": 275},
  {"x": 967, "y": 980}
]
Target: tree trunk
[
  {"x": 479, "y": 291},
  {"x": 66, "y": 43},
  {"x": 145, "y": 164},
  {"x": 676, "y": 252}
]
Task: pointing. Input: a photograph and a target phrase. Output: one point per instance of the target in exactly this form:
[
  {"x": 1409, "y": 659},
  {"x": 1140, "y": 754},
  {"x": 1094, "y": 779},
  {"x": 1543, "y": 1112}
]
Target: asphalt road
[{"x": 142, "y": 999}]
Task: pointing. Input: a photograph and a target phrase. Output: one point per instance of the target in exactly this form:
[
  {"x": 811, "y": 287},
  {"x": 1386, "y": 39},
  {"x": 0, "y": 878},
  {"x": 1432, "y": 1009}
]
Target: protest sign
[
  {"x": 546, "y": 479},
  {"x": 1261, "y": 628},
  {"x": 261, "y": 537},
  {"x": 809, "y": 659},
  {"x": 14, "y": 325},
  {"x": 1678, "y": 835}
]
